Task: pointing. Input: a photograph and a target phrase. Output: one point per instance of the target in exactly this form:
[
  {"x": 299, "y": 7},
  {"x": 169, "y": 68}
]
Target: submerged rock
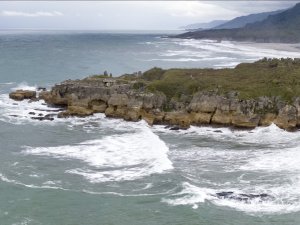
[
  {"x": 41, "y": 89},
  {"x": 42, "y": 118},
  {"x": 247, "y": 198}
]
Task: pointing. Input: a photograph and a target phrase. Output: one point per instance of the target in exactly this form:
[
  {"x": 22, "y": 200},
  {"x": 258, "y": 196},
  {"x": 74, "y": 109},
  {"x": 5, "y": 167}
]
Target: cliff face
[
  {"x": 112, "y": 97},
  {"x": 120, "y": 99}
]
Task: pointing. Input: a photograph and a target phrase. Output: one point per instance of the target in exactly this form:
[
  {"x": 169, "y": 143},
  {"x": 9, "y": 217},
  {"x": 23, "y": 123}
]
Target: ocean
[{"x": 100, "y": 171}]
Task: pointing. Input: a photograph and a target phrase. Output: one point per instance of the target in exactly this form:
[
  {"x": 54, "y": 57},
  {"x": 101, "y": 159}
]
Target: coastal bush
[
  {"x": 99, "y": 76},
  {"x": 139, "y": 85},
  {"x": 266, "y": 77},
  {"x": 153, "y": 74}
]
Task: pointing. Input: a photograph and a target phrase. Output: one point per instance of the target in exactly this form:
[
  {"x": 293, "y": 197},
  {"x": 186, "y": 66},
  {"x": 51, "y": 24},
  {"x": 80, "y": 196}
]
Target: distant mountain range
[
  {"x": 278, "y": 26},
  {"x": 242, "y": 21},
  {"x": 201, "y": 26}
]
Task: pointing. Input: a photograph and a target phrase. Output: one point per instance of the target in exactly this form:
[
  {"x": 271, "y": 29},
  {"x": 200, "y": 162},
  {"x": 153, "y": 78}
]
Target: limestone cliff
[{"x": 119, "y": 99}]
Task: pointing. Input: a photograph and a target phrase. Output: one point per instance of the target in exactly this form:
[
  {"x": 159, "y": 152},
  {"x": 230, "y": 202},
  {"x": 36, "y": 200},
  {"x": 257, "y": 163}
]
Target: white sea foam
[
  {"x": 18, "y": 112},
  {"x": 25, "y": 221},
  {"x": 272, "y": 135},
  {"x": 281, "y": 200},
  {"x": 190, "y": 195},
  {"x": 228, "y": 47},
  {"x": 186, "y": 53},
  {"x": 268, "y": 163},
  {"x": 177, "y": 59},
  {"x": 124, "y": 195},
  {"x": 24, "y": 86},
  {"x": 128, "y": 156},
  {"x": 287, "y": 159},
  {"x": 15, "y": 182}
]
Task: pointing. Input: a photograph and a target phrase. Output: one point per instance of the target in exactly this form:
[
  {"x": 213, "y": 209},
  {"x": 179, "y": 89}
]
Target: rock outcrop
[
  {"x": 120, "y": 99},
  {"x": 20, "y": 95}
]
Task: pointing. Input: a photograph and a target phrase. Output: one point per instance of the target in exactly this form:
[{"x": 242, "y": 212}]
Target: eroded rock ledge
[{"x": 121, "y": 100}]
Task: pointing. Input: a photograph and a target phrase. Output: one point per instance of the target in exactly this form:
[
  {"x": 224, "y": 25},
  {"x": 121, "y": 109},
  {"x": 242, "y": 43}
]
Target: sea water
[{"x": 96, "y": 170}]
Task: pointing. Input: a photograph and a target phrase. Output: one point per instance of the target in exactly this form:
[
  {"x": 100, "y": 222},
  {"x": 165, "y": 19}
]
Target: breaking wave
[{"x": 127, "y": 156}]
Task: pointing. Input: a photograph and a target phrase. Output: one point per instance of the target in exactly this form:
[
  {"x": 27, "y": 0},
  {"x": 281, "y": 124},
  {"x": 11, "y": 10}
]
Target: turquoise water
[{"x": 106, "y": 171}]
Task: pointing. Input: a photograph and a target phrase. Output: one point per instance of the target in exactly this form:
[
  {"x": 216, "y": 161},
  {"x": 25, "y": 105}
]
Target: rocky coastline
[{"x": 123, "y": 98}]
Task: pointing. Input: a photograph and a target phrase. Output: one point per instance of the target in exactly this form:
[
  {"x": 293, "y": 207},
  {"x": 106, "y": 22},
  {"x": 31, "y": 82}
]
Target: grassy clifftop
[{"x": 266, "y": 77}]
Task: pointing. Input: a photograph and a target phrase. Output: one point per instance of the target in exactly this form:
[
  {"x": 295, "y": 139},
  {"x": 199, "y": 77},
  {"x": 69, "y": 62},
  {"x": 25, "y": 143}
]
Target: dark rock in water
[
  {"x": 40, "y": 114},
  {"x": 44, "y": 104},
  {"x": 31, "y": 113},
  {"x": 218, "y": 131},
  {"x": 175, "y": 128},
  {"x": 50, "y": 110},
  {"x": 170, "y": 127},
  {"x": 33, "y": 100},
  {"x": 224, "y": 194},
  {"x": 14, "y": 115},
  {"x": 41, "y": 118},
  {"x": 243, "y": 197},
  {"x": 50, "y": 115},
  {"x": 41, "y": 89}
]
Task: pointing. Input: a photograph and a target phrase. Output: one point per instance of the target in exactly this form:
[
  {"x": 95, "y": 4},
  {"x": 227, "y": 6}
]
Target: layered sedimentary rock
[{"x": 120, "y": 99}]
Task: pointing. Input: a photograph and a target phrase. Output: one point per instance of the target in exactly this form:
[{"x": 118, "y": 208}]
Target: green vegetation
[
  {"x": 99, "y": 76},
  {"x": 266, "y": 77},
  {"x": 104, "y": 75},
  {"x": 153, "y": 74}
]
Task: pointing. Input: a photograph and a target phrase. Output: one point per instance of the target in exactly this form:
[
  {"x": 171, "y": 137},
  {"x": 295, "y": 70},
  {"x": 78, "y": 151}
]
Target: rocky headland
[{"x": 251, "y": 95}]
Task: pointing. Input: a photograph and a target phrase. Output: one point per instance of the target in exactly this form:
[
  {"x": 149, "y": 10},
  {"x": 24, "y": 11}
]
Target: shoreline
[
  {"x": 245, "y": 97},
  {"x": 287, "y": 47}
]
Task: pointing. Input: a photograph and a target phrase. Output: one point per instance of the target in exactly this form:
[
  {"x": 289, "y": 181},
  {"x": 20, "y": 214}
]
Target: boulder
[{"x": 20, "y": 95}]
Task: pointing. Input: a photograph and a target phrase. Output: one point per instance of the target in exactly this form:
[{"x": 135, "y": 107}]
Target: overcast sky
[{"x": 125, "y": 15}]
